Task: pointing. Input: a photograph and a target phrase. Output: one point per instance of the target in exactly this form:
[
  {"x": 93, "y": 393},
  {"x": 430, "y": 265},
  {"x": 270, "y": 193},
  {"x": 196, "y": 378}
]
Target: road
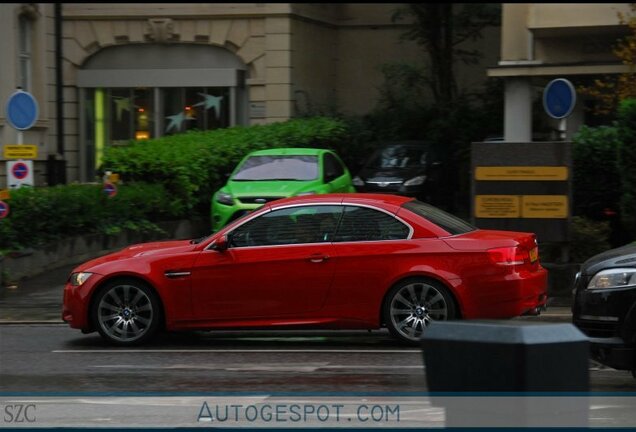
[
  {"x": 55, "y": 358},
  {"x": 68, "y": 379}
]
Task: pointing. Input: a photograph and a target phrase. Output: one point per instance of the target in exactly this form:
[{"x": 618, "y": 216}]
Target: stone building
[{"x": 125, "y": 71}]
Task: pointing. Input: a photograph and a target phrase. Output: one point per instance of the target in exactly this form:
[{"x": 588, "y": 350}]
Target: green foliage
[
  {"x": 596, "y": 180},
  {"x": 192, "y": 166},
  {"x": 588, "y": 238},
  {"x": 627, "y": 162},
  {"x": 42, "y": 215}
]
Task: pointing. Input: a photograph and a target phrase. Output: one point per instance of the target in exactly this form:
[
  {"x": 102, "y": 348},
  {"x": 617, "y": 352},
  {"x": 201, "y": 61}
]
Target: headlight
[
  {"x": 306, "y": 193},
  {"x": 78, "y": 279},
  {"x": 415, "y": 181},
  {"x": 613, "y": 278},
  {"x": 224, "y": 198},
  {"x": 357, "y": 181}
]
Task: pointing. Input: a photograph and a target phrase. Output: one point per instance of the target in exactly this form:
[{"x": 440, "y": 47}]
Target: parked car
[
  {"x": 409, "y": 168},
  {"x": 337, "y": 261},
  {"x": 604, "y": 306},
  {"x": 268, "y": 175}
]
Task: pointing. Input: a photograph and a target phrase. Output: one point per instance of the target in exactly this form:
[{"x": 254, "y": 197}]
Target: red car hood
[{"x": 139, "y": 250}]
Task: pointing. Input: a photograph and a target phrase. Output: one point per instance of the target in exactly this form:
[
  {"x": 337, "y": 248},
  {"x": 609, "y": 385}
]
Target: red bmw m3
[{"x": 340, "y": 261}]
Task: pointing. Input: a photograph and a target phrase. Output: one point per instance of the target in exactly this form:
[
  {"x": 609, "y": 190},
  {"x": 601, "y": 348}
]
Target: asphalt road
[{"x": 55, "y": 358}]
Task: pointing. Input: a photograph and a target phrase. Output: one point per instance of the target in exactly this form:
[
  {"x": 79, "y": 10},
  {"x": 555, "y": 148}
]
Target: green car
[{"x": 267, "y": 175}]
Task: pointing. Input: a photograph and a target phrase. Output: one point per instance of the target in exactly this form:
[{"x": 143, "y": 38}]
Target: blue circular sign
[
  {"x": 559, "y": 98},
  {"x": 110, "y": 190},
  {"x": 20, "y": 170},
  {"x": 22, "y": 110},
  {"x": 4, "y": 209}
]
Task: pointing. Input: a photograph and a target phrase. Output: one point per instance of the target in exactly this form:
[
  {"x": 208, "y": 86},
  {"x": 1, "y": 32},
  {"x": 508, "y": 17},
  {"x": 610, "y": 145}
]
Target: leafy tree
[
  {"x": 441, "y": 29},
  {"x": 610, "y": 90}
]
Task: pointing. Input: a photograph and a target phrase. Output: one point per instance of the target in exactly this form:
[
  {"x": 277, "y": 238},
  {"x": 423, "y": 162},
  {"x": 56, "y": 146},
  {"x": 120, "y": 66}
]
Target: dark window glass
[
  {"x": 300, "y": 168},
  {"x": 121, "y": 109},
  {"x": 294, "y": 225},
  {"x": 399, "y": 156},
  {"x": 365, "y": 224},
  {"x": 446, "y": 221},
  {"x": 144, "y": 113},
  {"x": 333, "y": 168}
]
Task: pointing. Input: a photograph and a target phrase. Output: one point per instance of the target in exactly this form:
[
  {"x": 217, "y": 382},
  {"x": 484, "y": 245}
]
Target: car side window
[
  {"x": 365, "y": 224},
  {"x": 333, "y": 168},
  {"x": 292, "y": 225}
]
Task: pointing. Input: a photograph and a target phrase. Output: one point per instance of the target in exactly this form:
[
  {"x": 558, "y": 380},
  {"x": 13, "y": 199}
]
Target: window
[
  {"x": 293, "y": 225},
  {"x": 448, "y": 222},
  {"x": 333, "y": 168},
  {"x": 365, "y": 224},
  {"x": 301, "y": 168},
  {"x": 25, "y": 29}
]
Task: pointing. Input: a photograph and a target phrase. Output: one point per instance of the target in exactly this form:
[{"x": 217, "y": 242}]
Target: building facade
[
  {"x": 144, "y": 70},
  {"x": 541, "y": 42}
]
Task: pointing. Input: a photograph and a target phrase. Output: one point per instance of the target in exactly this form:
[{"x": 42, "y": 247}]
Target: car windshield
[
  {"x": 288, "y": 167},
  {"x": 398, "y": 156},
  {"x": 447, "y": 221}
]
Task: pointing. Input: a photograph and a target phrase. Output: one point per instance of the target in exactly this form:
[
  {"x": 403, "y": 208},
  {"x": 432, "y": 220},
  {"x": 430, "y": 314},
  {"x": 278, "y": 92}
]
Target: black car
[
  {"x": 403, "y": 167},
  {"x": 604, "y": 306}
]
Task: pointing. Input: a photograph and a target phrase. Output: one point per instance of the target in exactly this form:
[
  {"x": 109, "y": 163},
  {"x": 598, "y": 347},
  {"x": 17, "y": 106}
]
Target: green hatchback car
[{"x": 267, "y": 175}]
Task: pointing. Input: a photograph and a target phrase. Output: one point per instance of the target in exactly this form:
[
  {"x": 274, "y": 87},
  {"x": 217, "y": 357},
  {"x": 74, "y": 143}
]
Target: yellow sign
[
  {"x": 23, "y": 151},
  {"x": 4, "y": 194},
  {"x": 544, "y": 206},
  {"x": 497, "y": 206},
  {"x": 113, "y": 178},
  {"x": 522, "y": 173}
]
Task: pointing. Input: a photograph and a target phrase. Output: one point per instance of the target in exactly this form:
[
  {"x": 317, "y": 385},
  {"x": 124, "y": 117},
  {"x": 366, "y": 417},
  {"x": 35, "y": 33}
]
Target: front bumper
[
  {"x": 224, "y": 214},
  {"x": 76, "y": 304},
  {"x": 608, "y": 318}
]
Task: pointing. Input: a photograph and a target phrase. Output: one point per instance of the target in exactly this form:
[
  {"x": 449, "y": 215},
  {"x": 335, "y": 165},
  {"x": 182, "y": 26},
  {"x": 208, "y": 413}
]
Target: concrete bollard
[{"x": 516, "y": 357}]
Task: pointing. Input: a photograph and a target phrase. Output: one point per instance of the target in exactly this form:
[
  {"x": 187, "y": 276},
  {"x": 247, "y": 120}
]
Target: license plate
[{"x": 534, "y": 254}]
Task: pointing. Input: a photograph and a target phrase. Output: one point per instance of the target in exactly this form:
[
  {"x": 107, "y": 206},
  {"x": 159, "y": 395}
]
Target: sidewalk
[{"x": 39, "y": 299}]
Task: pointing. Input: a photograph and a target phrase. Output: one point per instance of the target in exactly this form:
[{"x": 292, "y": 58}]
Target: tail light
[{"x": 509, "y": 256}]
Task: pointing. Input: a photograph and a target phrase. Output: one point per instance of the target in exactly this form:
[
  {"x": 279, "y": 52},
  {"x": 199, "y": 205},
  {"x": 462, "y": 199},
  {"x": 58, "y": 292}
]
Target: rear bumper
[{"x": 518, "y": 294}]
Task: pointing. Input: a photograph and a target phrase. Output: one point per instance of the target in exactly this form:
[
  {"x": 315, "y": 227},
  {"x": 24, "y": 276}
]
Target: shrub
[
  {"x": 596, "y": 181},
  {"x": 42, "y": 215},
  {"x": 588, "y": 238},
  {"x": 627, "y": 162},
  {"x": 192, "y": 166}
]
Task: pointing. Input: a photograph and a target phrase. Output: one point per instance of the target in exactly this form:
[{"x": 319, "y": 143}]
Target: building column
[{"x": 518, "y": 110}]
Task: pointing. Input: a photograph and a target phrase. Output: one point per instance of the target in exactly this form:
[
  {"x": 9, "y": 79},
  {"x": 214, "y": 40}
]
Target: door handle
[{"x": 317, "y": 258}]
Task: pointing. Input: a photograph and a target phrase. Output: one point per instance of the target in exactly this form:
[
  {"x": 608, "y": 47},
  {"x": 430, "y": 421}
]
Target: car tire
[
  {"x": 411, "y": 305},
  {"x": 126, "y": 312}
]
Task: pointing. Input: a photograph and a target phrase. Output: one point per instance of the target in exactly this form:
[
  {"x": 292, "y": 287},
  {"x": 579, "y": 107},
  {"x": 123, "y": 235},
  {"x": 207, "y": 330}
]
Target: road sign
[
  {"x": 4, "y": 209},
  {"x": 4, "y": 194},
  {"x": 110, "y": 190},
  {"x": 19, "y": 173},
  {"x": 22, "y": 110},
  {"x": 559, "y": 98},
  {"x": 20, "y": 151}
]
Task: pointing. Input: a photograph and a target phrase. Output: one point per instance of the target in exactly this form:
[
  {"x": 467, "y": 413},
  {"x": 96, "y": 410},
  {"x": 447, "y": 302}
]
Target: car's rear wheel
[
  {"x": 126, "y": 312},
  {"x": 413, "y": 304}
]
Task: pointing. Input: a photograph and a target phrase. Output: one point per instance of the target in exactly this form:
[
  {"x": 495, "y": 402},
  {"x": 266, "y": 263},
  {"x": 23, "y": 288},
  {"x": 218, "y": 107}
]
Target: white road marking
[
  {"x": 242, "y": 351},
  {"x": 259, "y": 367}
]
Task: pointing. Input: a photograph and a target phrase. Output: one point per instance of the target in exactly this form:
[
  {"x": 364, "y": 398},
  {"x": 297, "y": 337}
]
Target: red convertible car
[{"x": 340, "y": 261}]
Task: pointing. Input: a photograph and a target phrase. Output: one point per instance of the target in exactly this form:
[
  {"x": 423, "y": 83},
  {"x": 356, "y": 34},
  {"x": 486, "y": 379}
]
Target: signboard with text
[
  {"x": 20, "y": 151},
  {"x": 522, "y": 187}
]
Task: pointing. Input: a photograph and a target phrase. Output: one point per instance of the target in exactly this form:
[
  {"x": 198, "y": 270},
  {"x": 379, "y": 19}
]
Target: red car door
[{"x": 279, "y": 264}]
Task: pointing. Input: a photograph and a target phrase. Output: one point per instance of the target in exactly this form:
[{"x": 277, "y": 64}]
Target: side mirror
[{"x": 220, "y": 244}]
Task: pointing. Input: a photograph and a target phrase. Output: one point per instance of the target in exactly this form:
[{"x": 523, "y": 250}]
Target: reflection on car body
[{"x": 338, "y": 261}]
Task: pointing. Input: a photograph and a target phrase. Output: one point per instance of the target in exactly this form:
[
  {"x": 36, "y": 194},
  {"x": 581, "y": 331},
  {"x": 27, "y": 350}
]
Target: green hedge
[
  {"x": 41, "y": 215},
  {"x": 627, "y": 162},
  {"x": 596, "y": 181},
  {"x": 192, "y": 166}
]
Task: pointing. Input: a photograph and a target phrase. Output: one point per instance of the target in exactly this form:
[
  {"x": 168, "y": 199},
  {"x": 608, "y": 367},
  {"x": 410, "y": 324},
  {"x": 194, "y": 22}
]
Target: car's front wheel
[
  {"x": 126, "y": 312},
  {"x": 413, "y": 304}
]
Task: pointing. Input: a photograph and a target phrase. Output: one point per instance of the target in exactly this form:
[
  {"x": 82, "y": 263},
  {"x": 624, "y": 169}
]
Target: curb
[{"x": 32, "y": 322}]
